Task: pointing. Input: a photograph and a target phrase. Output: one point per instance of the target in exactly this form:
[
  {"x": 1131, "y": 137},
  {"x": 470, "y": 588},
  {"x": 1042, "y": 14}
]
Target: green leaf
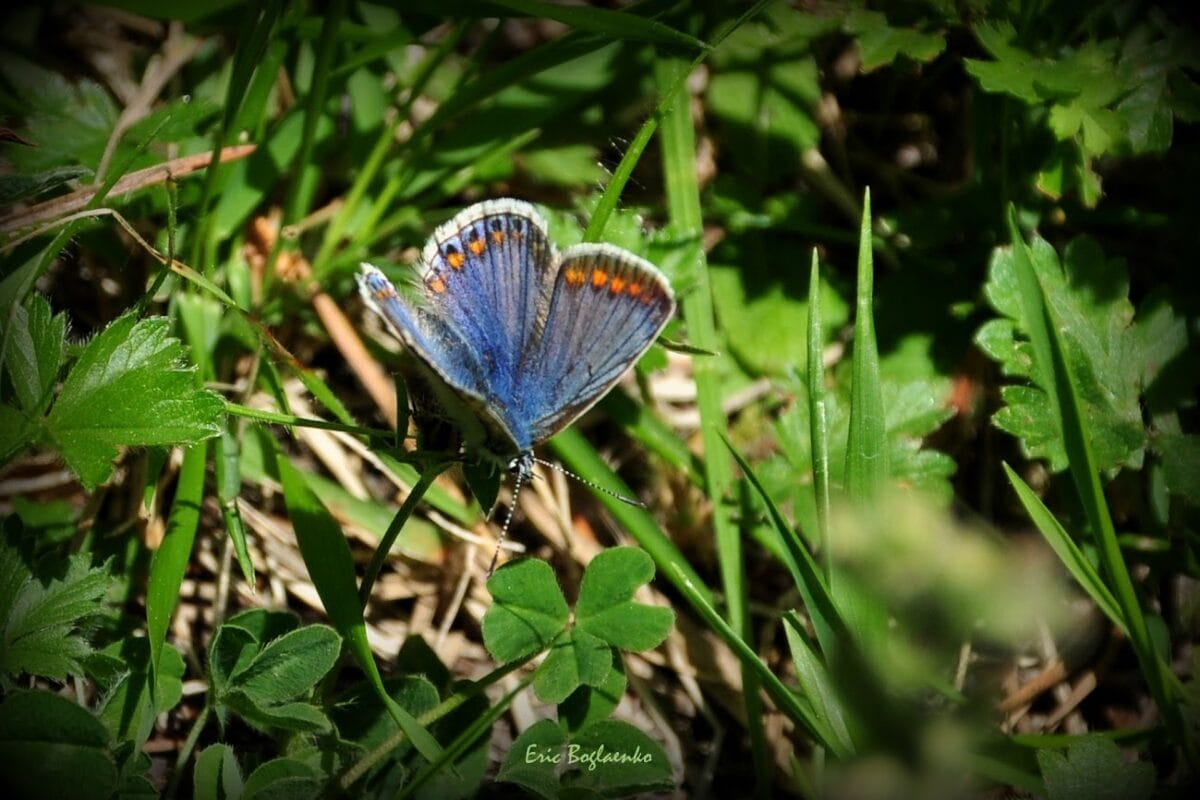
[
  {"x": 68, "y": 122},
  {"x": 289, "y": 665},
  {"x": 360, "y": 718},
  {"x": 577, "y": 658},
  {"x": 34, "y": 353},
  {"x": 533, "y": 759},
  {"x": 129, "y": 707},
  {"x": 129, "y": 387},
  {"x": 879, "y": 43},
  {"x": 606, "y": 608},
  {"x": 283, "y": 779},
  {"x": 758, "y": 285},
  {"x": 52, "y": 747},
  {"x": 1013, "y": 71},
  {"x": 1093, "y": 769},
  {"x": 570, "y": 165},
  {"x": 16, "y": 432},
  {"x": 1180, "y": 455},
  {"x": 615, "y": 759},
  {"x": 528, "y": 610},
  {"x": 15, "y": 188},
  {"x": 764, "y": 87},
  {"x": 133, "y": 770},
  {"x": 217, "y": 775},
  {"x": 300, "y": 717},
  {"x": 43, "y": 617},
  {"x": 588, "y": 704},
  {"x": 238, "y": 641},
  {"x": 1088, "y": 295}
]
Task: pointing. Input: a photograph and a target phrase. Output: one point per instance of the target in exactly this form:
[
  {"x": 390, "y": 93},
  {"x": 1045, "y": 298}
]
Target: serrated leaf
[
  {"x": 1180, "y": 455},
  {"x": 606, "y": 608},
  {"x": 68, "y": 122},
  {"x": 879, "y": 42},
  {"x": 43, "y": 619},
  {"x": 17, "y": 431},
  {"x": 1093, "y": 769},
  {"x": 52, "y": 747},
  {"x": 34, "y": 352},
  {"x": 1088, "y": 295},
  {"x": 129, "y": 386},
  {"x": 528, "y": 610},
  {"x": 914, "y": 409},
  {"x": 1013, "y": 71}
]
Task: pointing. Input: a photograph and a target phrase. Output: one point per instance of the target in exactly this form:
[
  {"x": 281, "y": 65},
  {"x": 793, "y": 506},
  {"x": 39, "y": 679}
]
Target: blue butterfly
[{"x": 529, "y": 338}]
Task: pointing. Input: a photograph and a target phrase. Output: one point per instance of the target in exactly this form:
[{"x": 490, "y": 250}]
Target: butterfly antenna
[
  {"x": 523, "y": 474},
  {"x": 633, "y": 501}
]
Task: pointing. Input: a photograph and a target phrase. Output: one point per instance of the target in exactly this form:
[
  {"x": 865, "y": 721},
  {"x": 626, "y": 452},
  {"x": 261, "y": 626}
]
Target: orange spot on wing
[
  {"x": 456, "y": 260},
  {"x": 498, "y": 237},
  {"x": 599, "y": 278},
  {"x": 575, "y": 276},
  {"x": 437, "y": 285},
  {"x": 617, "y": 285},
  {"x": 477, "y": 246},
  {"x": 635, "y": 289}
]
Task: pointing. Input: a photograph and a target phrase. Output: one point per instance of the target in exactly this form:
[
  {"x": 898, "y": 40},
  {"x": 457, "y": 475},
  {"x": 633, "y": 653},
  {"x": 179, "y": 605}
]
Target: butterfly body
[{"x": 529, "y": 338}]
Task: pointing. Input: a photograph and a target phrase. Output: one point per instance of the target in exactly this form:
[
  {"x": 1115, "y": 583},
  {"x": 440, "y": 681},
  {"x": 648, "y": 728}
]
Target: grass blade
[
  {"x": 866, "y": 450},
  {"x": 331, "y": 567},
  {"x": 171, "y": 559}
]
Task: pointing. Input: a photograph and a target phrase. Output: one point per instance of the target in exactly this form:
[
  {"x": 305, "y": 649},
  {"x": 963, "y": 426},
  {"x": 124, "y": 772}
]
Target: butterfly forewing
[
  {"x": 487, "y": 273},
  {"x": 606, "y": 309}
]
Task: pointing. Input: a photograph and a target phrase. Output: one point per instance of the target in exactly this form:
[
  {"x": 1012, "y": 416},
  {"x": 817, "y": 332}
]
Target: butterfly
[{"x": 529, "y": 338}]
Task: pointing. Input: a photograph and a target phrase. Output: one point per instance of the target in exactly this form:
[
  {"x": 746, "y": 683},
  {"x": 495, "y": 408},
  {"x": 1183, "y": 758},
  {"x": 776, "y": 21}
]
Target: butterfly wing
[
  {"x": 485, "y": 278},
  {"x": 488, "y": 271},
  {"x": 438, "y": 343},
  {"x": 606, "y": 308}
]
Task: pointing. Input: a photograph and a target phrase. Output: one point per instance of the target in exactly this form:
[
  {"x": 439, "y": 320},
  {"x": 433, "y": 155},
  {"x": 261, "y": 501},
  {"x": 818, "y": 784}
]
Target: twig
[{"x": 159, "y": 173}]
